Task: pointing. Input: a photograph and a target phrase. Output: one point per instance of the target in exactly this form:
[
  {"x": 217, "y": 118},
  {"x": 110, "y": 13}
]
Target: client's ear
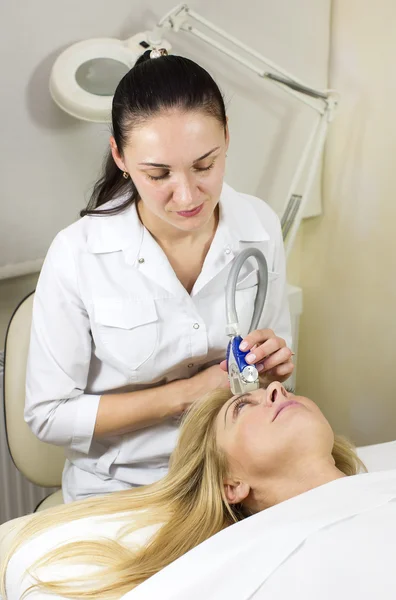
[{"x": 236, "y": 491}]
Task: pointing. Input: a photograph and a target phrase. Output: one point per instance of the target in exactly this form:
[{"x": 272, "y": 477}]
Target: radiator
[{"x": 18, "y": 496}]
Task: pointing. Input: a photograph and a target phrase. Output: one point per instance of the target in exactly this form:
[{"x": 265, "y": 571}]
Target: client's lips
[{"x": 284, "y": 405}]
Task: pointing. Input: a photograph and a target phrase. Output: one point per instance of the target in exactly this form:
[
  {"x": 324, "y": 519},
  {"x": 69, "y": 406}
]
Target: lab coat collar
[
  {"x": 115, "y": 232},
  {"x": 240, "y": 217},
  {"x": 124, "y": 231}
]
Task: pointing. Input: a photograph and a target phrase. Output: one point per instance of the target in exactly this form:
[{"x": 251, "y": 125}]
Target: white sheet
[
  {"x": 296, "y": 549},
  {"x": 263, "y": 551},
  {"x": 379, "y": 457}
]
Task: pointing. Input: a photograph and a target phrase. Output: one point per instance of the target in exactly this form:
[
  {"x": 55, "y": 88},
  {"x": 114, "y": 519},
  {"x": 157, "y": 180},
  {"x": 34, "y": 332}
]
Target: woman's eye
[
  {"x": 239, "y": 404},
  {"x": 158, "y": 177},
  {"x": 166, "y": 175},
  {"x": 205, "y": 168}
]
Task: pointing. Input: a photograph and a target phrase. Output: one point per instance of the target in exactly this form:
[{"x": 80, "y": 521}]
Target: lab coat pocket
[
  {"x": 250, "y": 280},
  {"x": 245, "y": 297},
  {"x": 126, "y": 329}
]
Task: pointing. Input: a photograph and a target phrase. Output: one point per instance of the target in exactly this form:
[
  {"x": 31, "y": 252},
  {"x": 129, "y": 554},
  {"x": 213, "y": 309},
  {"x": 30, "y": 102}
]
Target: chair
[{"x": 40, "y": 463}]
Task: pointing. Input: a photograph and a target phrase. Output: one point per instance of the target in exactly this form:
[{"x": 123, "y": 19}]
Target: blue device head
[{"x": 243, "y": 376}]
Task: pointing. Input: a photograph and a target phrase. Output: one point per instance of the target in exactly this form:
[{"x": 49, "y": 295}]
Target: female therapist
[{"x": 129, "y": 317}]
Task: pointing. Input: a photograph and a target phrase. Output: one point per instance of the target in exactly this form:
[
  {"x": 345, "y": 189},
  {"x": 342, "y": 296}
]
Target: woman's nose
[
  {"x": 275, "y": 393},
  {"x": 183, "y": 194}
]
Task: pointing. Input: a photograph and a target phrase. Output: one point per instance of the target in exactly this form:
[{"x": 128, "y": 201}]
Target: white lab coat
[{"x": 110, "y": 315}]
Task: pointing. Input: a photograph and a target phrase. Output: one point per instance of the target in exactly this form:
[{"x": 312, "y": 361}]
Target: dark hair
[{"x": 150, "y": 86}]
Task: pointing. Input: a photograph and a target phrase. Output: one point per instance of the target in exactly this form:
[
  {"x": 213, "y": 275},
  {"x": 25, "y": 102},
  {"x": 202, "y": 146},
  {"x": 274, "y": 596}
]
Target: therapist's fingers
[
  {"x": 260, "y": 351},
  {"x": 276, "y": 359},
  {"x": 256, "y": 338},
  {"x": 280, "y": 373},
  {"x": 268, "y": 348},
  {"x": 223, "y": 364}
]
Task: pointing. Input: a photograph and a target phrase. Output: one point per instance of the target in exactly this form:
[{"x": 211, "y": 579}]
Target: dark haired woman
[{"x": 128, "y": 320}]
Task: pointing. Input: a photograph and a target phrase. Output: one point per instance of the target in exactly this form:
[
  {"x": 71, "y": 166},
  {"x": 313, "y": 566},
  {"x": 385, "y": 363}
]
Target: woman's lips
[
  {"x": 191, "y": 213},
  {"x": 284, "y": 405}
]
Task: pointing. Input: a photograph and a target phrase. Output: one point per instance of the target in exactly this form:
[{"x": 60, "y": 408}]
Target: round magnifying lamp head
[{"x": 85, "y": 76}]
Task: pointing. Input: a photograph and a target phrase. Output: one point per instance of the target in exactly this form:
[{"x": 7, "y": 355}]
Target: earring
[{"x": 125, "y": 175}]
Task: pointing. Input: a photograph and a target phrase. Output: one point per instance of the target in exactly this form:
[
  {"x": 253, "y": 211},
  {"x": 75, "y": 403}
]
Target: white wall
[
  {"x": 50, "y": 160},
  {"x": 348, "y": 331}
]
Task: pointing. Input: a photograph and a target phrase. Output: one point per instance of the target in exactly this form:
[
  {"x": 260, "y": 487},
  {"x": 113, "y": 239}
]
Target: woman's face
[
  {"x": 176, "y": 161},
  {"x": 267, "y": 433}
]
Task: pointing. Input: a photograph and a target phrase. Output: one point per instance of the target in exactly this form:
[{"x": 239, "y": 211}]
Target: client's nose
[{"x": 275, "y": 393}]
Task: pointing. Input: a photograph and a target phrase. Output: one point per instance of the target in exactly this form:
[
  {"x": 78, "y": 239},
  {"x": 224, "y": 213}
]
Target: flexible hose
[{"x": 232, "y": 317}]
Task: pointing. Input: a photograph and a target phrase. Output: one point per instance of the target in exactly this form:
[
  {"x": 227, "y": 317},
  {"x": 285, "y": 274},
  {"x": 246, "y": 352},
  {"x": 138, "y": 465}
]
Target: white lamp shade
[{"x": 85, "y": 76}]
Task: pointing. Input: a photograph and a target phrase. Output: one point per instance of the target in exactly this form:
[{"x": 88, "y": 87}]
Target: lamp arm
[
  {"x": 323, "y": 102},
  {"x": 295, "y": 205},
  {"x": 179, "y": 19}
]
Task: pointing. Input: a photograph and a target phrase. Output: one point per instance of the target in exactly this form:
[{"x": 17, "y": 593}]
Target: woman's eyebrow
[
  {"x": 206, "y": 155},
  {"x": 164, "y": 166},
  {"x": 233, "y": 402}
]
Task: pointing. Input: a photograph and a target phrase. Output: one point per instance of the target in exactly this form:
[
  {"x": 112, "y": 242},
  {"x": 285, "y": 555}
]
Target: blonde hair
[{"x": 189, "y": 503}]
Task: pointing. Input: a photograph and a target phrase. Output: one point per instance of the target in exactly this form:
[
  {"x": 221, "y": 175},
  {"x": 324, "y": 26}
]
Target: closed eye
[
  {"x": 166, "y": 175},
  {"x": 159, "y": 176},
  {"x": 239, "y": 405}
]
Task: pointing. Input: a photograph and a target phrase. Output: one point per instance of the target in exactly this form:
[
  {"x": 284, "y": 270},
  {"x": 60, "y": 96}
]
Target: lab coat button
[
  {"x": 227, "y": 250},
  {"x": 196, "y": 325},
  {"x": 141, "y": 260}
]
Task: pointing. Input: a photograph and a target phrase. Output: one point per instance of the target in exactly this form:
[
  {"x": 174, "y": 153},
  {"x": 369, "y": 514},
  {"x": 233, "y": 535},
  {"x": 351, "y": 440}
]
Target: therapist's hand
[
  {"x": 195, "y": 388},
  {"x": 214, "y": 378},
  {"x": 269, "y": 353}
]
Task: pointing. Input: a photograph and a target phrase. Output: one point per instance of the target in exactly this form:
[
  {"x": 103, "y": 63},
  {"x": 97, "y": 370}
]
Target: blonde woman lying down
[{"x": 265, "y": 463}]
